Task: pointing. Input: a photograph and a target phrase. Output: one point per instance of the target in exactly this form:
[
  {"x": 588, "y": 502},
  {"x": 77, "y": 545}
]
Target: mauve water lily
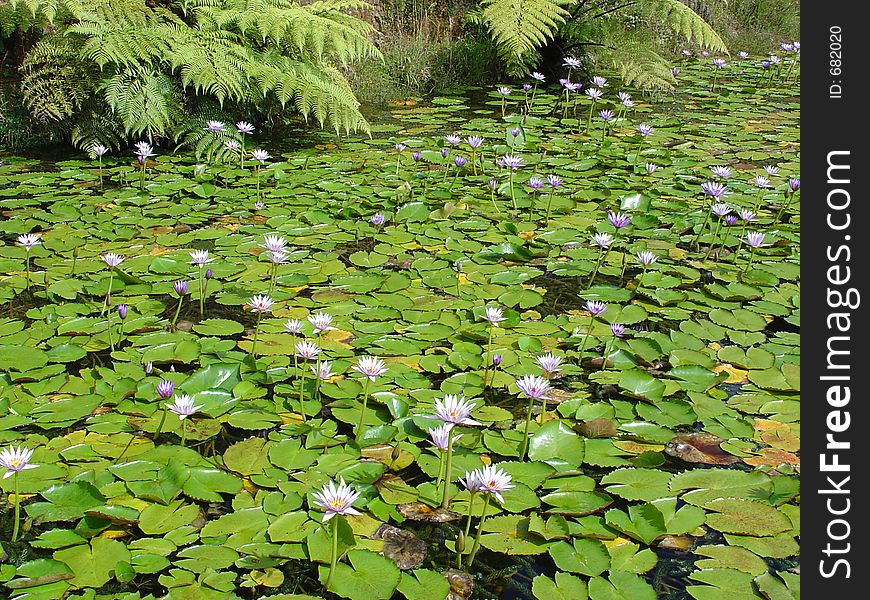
[
  {"x": 260, "y": 155},
  {"x": 685, "y": 52},
  {"x": 549, "y": 363},
  {"x": 459, "y": 161},
  {"x": 370, "y": 366},
  {"x": 618, "y": 219},
  {"x": 494, "y": 315},
  {"x": 554, "y": 180},
  {"x": 595, "y": 307},
  {"x": 415, "y": 155},
  {"x": 378, "y": 219},
  {"x": 15, "y": 460},
  {"x": 794, "y": 184},
  {"x": 260, "y": 303},
  {"x": 293, "y": 326},
  {"x": 199, "y": 258},
  {"x": 602, "y": 240},
  {"x": 646, "y": 258},
  {"x": 771, "y": 169},
  {"x": 538, "y": 76},
  {"x": 746, "y": 214},
  {"x": 760, "y": 181},
  {"x": 453, "y": 139},
  {"x": 440, "y": 436},
  {"x": 215, "y": 126},
  {"x": 675, "y": 71},
  {"x": 122, "y": 311},
  {"x": 455, "y": 409},
  {"x": 28, "y": 241},
  {"x": 111, "y": 259},
  {"x": 730, "y": 220},
  {"x": 503, "y": 90},
  {"x": 607, "y": 115},
  {"x": 475, "y": 141},
  {"x": 722, "y": 172},
  {"x": 594, "y": 93},
  {"x": 245, "y": 128},
  {"x": 533, "y": 386},
  {"x": 651, "y": 168},
  {"x": 515, "y": 132},
  {"x": 536, "y": 183},
  {"x": 183, "y": 406},
  {"x": 336, "y": 500},
  {"x": 321, "y": 322},
  {"x": 705, "y": 54},
  {"x": 277, "y": 257},
  {"x": 99, "y": 150},
  {"x": 719, "y": 63},
  {"x": 165, "y": 388},
  {"x": 445, "y": 152},
  {"x": 599, "y": 81},
  {"x": 617, "y": 329},
  {"x": 645, "y": 130},
  {"x": 721, "y": 209},
  {"x": 307, "y": 350},
  {"x": 571, "y": 62},
  {"x": 232, "y": 145},
  {"x": 527, "y": 87},
  {"x": 714, "y": 189},
  {"x": 274, "y": 243},
  {"x": 322, "y": 370},
  {"x": 512, "y": 161},
  {"x": 623, "y": 96},
  {"x": 743, "y": 54}
]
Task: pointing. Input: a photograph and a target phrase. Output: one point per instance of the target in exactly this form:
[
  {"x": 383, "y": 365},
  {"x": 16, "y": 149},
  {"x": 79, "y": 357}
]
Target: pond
[{"x": 549, "y": 340}]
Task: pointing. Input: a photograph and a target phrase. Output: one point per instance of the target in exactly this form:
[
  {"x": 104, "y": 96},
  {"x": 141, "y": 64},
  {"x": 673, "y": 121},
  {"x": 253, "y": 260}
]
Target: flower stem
[
  {"x": 487, "y": 358},
  {"x": 108, "y": 292},
  {"x": 700, "y": 231},
  {"x": 362, "y": 414},
  {"x": 595, "y": 271},
  {"x": 160, "y": 424},
  {"x": 177, "y": 311},
  {"x": 183, "y": 431},
  {"x": 448, "y": 468},
  {"x": 109, "y": 330},
  {"x": 334, "y": 560},
  {"x": 440, "y": 477},
  {"x": 301, "y": 391},
  {"x": 525, "y": 445},
  {"x": 476, "y": 545},
  {"x": 751, "y": 257},
  {"x": 586, "y": 337},
  {"x": 713, "y": 241},
  {"x": 27, "y": 268},
  {"x": 549, "y": 203},
  {"x": 256, "y": 335},
  {"x": 511, "y": 184},
  {"x": 17, "y": 517}
]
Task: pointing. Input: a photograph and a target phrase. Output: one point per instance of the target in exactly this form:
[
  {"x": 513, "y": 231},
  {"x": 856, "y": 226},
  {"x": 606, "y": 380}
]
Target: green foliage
[
  {"x": 141, "y": 64},
  {"x": 621, "y": 34},
  {"x": 521, "y": 26}
]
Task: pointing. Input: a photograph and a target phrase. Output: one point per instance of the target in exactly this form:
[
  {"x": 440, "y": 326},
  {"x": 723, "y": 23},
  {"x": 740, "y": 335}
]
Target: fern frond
[
  {"x": 145, "y": 102},
  {"x": 96, "y": 125},
  {"x": 686, "y": 22},
  {"x": 519, "y": 27},
  {"x": 54, "y": 82}
]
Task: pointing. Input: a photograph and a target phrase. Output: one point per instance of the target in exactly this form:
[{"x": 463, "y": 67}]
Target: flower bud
[
  {"x": 122, "y": 311},
  {"x": 209, "y": 273}
]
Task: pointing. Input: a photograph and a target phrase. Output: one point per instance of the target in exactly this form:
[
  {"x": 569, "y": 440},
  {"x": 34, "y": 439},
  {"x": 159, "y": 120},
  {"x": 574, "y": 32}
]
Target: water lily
[
  {"x": 549, "y": 363},
  {"x": 259, "y": 304},
  {"x": 28, "y": 241},
  {"x": 371, "y": 367},
  {"x": 15, "y": 460},
  {"x": 321, "y": 322},
  {"x": 335, "y": 500},
  {"x": 533, "y": 387},
  {"x": 491, "y": 481}
]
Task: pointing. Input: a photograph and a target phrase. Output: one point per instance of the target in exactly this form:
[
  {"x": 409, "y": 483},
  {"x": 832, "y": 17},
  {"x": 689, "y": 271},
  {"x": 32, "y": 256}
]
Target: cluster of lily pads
[{"x": 526, "y": 349}]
